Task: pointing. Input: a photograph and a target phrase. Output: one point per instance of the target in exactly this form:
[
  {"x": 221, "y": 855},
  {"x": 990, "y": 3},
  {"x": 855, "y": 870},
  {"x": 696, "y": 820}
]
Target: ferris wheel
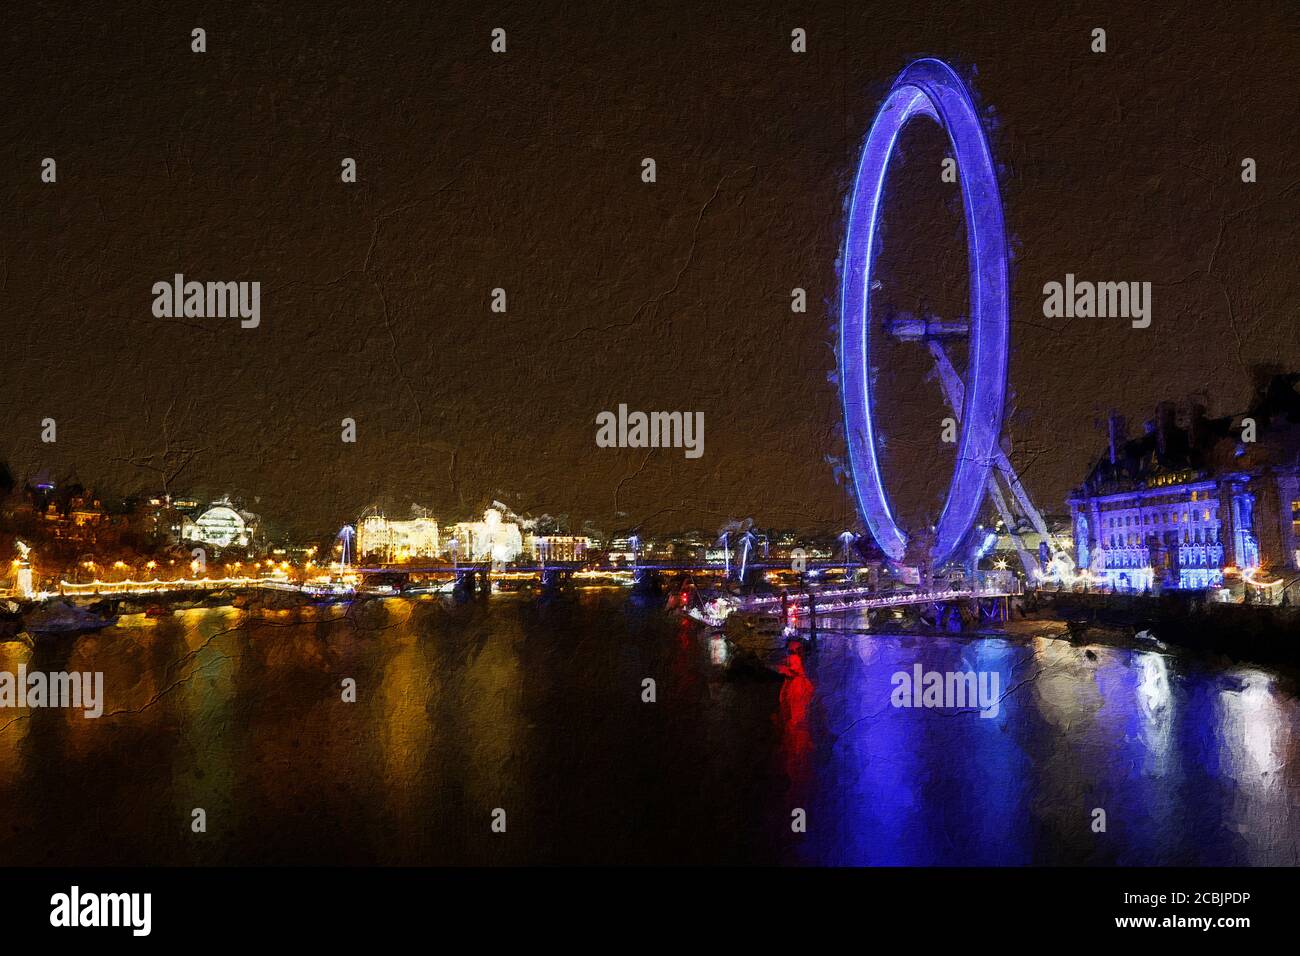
[{"x": 930, "y": 88}]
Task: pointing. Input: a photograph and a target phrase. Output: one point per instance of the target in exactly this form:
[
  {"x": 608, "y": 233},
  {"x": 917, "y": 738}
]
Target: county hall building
[{"x": 1195, "y": 497}]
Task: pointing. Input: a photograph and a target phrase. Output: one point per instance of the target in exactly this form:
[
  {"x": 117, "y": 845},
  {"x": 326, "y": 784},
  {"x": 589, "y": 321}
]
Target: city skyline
[
  {"x": 1271, "y": 389},
  {"x": 74, "y": 499},
  {"x": 377, "y": 296}
]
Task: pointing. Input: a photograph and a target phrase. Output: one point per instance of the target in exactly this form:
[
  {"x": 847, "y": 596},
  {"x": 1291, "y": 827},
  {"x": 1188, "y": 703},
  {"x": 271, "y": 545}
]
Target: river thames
[{"x": 536, "y": 709}]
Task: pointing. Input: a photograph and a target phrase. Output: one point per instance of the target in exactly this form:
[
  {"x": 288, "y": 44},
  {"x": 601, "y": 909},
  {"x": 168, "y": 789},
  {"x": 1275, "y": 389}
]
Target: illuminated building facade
[
  {"x": 397, "y": 540},
  {"x": 557, "y": 547},
  {"x": 86, "y": 511},
  {"x": 1185, "y": 503},
  {"x": 623, "y": 547},
  {"x": 493, "y": 539},
  {"x": 221, "y": 526}
]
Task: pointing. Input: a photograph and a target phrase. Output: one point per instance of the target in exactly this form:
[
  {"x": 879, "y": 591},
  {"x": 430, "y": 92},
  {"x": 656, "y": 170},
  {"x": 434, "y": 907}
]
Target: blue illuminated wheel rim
[{"x": 927, "y": 88}]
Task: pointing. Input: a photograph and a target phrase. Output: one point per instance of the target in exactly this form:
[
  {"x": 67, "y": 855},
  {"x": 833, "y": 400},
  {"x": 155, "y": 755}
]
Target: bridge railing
[{"x": 862, "y": 599}]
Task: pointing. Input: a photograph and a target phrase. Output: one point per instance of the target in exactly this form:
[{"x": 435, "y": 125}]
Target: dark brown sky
[{"x": 522, "y": 171}]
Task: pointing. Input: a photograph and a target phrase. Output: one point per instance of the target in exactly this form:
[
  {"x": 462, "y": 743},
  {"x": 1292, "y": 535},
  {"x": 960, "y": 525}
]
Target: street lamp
[{"x": 847, "y": 538}]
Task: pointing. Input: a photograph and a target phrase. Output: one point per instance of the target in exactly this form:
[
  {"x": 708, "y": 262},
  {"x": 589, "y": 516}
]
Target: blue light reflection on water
[
  {"x": 1187, "y": 762},
  {"x": 539, "y": 707}
]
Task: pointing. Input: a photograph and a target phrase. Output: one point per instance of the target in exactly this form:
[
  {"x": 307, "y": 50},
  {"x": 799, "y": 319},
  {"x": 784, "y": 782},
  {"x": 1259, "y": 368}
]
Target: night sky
[{"x": 523, "y": 171}]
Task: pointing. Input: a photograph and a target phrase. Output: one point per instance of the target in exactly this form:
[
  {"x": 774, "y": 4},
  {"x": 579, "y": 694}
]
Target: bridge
[
  {"x": 472, "y": 576},
  {"x": 837, "y": 600},
  {"x": 987, "y": 602},
  {"x": 468, "y": 576}
]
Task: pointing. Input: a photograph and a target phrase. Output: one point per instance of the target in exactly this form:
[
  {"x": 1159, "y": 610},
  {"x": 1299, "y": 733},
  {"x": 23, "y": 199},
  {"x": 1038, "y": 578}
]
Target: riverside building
[{"x": 1194, "y": 499}]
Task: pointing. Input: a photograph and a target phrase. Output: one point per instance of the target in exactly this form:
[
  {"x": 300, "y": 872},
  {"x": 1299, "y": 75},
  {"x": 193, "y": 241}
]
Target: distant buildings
[
  {"x": 73, "y": 516},
  {"x": 622, "y": 548},
  {"x": 390, "y": 540},
  {"x": 75, "y": 531},
  {"x": 160, "y": 519},
  {"x": 501, "y": 537},
  {"x": 557, "y": 547},
  {"x": 1190, "y": 501},
  {"x": 221, "y": 526},
  {"x": 492, "y": 539}
]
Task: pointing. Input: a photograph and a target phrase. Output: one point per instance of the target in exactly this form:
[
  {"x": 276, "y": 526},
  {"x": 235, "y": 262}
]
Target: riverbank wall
[{"x": 1258, "y": 633}]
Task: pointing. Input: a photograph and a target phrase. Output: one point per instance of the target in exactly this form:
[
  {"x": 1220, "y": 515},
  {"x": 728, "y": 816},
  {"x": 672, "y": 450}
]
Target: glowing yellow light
[{"x": 1249, "y": 576}]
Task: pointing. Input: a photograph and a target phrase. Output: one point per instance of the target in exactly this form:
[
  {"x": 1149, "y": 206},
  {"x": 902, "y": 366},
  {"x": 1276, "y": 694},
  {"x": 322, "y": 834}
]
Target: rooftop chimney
[
  {"x": 1199, "y": 427},
  {"x": 1118, "y": 435}
]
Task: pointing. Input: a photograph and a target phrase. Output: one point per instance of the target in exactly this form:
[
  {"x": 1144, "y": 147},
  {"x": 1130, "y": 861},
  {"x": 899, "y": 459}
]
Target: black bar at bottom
[{"x": 617, "y": 907}]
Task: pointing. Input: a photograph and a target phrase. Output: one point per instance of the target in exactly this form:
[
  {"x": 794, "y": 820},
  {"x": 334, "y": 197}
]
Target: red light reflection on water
[{"x": 796, "y": 699}]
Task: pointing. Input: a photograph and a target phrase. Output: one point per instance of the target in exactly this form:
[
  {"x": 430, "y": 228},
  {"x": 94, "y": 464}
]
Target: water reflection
[
  {"x": 1255, "y": 748},
  {"x": 538, "y": 709},
  {"x": 796, "y": 699}
]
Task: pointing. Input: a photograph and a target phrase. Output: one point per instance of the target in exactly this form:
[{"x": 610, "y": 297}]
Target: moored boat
[
  {"x": 715, "y": 612},
  {"x": 64, "y": 617}
]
